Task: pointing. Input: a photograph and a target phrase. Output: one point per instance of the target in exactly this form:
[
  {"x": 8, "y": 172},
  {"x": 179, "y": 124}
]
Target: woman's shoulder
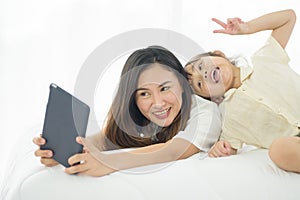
[
  {"x": 200, "y": 103},
  {"x": 204, "y": 110}
]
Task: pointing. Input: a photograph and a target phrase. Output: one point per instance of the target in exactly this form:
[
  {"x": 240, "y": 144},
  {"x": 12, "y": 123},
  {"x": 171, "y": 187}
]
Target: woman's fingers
[
  {"x": 46, "y": 157},
  {"x": 49, "y": 162},
  {"x": 80, "y": 168},
  {"x": 79, "y": 140},
  {"x": 39, "y": 141},
  {"x": 78, "y": 164},
  {"x": 43, "y": 153},
  {"x": 77, "y": 158}
]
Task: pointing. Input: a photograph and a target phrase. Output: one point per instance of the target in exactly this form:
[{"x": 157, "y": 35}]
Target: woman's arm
[
  {"x": 281, "y": 23},
  {"x": 96, "y": 163},
  {"x": 98, "y": 140},
  {"x": 204, "y": 127},
  {"x": 172, "y": 150}
]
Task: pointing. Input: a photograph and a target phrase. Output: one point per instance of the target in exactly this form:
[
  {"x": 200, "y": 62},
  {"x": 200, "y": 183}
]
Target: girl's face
[
  {"x": 210, "y": 76},
  {"x": 159, "y": 95}
]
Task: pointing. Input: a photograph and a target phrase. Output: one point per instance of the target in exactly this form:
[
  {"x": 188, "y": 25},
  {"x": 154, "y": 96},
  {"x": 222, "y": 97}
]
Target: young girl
[
  {"x": 261, "y": 104},
  {"x": 154, "y": 109}
]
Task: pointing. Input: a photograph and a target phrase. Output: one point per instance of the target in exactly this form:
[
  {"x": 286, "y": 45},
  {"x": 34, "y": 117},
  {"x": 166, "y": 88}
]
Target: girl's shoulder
[{"x": 271, "y": 51}]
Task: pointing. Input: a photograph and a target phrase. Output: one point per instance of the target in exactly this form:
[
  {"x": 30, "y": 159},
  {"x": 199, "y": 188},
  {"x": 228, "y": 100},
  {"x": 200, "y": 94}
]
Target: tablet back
[{"x": 66, "y": 118}]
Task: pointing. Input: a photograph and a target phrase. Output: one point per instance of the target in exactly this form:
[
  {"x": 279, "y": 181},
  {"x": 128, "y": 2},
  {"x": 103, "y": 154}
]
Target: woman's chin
[{"x": 164, "y": 123}]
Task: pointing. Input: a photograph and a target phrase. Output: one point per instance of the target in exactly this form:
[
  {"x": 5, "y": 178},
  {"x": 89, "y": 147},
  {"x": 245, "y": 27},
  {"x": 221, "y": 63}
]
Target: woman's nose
[{"x": 158, "y": 100}]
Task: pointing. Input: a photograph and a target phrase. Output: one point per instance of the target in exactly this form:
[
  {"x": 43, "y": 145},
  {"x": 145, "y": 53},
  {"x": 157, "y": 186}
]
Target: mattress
[{"x": 249, "y": 175}]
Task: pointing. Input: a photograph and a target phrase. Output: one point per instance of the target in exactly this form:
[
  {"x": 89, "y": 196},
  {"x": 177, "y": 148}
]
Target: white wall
[{"x": 47, "y": 41}]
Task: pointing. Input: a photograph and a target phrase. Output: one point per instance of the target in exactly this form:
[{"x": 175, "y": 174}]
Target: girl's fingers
[
  {"x": 219, "y": 22},
  {"x": 220, "y": 152},
  {"x": 227, "y": 146},
  {"x": 223, "y": 151},
  {"x": 219, "y": 31},
  {"x": 213, "y": 153}
]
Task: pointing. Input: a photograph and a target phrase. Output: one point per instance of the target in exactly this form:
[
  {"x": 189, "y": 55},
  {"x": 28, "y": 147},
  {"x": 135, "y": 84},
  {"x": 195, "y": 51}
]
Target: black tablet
[{"x": 66, "y": 118}]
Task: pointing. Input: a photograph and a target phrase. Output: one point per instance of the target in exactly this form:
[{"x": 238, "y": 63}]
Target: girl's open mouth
[{"x": 215, "y": 75}]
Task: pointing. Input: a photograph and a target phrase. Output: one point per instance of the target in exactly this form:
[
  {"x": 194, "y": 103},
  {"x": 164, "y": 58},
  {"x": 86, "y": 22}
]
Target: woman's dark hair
[{"x": 125, "y": 122}]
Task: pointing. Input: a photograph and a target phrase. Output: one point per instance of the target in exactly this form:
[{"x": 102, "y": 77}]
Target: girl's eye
[
  {"x": 199, "y": 84},
  {"x": 165, "y": 88}
]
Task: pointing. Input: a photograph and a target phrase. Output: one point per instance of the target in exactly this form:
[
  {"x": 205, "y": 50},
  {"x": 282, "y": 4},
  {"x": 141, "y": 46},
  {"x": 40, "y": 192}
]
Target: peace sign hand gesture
[{"x": 234, "y": 26}]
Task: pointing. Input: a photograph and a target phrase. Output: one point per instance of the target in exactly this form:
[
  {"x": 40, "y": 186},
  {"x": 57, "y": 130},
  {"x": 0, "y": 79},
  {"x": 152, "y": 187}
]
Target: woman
[{"x": 153, "y": 109}]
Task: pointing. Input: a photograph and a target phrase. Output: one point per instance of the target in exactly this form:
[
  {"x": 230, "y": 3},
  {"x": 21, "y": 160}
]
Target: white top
[{"x": 204, "y": 125}]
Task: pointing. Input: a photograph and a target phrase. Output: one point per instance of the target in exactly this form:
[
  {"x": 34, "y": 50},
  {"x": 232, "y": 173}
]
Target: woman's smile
[{"x": 163, "y": 114}]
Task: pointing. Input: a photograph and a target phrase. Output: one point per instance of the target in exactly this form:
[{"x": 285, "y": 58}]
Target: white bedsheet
[{"x": 248, "y": 175}]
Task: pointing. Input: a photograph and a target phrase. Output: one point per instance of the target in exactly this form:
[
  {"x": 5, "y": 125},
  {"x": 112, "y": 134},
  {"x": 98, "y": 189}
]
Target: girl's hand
[
  {"x": 221, "y": 149},
  {"x": 88, "y": 164},
  {"x": 234, "y": 26},
  {"x": 45, "y": 155}
]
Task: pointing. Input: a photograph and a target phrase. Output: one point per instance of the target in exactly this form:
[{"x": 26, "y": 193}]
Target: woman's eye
[
  {"x": 165, "y": 88},
  {"x": 144, "y": 94},
  {"x": 199, "y": 84}
]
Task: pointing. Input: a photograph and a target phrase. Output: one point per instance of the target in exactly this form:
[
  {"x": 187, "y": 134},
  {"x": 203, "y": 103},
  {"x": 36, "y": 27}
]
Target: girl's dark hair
[
  {"x": 125, "y": 122},
  {"x": 194, "y": 59}
]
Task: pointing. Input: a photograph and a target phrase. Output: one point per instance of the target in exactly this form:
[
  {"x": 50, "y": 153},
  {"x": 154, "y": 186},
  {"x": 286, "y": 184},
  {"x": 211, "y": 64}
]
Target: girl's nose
[{"x": 205, "y": 74}]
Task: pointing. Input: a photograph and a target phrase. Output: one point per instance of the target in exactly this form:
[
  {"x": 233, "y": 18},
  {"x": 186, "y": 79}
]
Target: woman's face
[
  {"x": 159, "y": 95},
  {"x": 210, "y": 76}
]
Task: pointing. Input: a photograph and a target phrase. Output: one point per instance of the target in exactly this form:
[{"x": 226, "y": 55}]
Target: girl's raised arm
[{"x": 281, "y": 22}]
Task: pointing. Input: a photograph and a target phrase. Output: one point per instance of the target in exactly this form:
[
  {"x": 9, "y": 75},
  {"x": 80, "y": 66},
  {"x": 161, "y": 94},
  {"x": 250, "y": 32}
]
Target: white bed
[{"x": 248, "y": 175}]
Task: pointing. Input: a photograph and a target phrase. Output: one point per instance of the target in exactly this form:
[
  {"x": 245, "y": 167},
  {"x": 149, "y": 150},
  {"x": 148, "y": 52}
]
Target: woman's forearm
[
  {"x": 158, "y": 153},
  {"x": 97, "y": 140}
]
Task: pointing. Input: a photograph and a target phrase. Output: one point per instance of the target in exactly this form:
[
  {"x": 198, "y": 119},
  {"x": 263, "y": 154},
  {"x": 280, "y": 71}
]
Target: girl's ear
[{"x": 220, "y": 53}]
